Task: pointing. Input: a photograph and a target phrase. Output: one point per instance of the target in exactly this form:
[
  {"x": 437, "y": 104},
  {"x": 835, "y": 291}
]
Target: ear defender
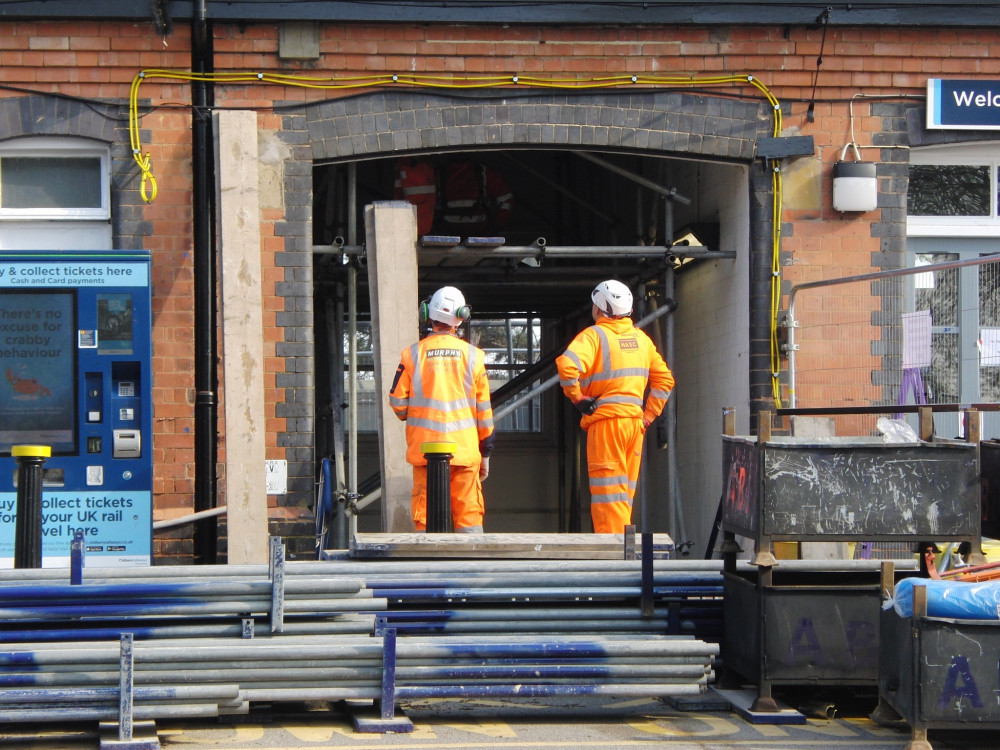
[{"x": 439, "y": 309}]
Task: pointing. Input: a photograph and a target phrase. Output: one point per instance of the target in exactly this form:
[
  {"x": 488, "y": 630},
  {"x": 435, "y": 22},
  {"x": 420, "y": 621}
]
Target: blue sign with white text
[
  {"x": 963, "y": 104},
  {"x": 76, "y": 377}
]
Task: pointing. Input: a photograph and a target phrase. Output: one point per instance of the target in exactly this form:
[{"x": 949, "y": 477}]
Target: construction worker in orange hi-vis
[
  {"x": 416, "y": 182},
  {"x": 604, "y": 372},
  {"x": 442, "y": 392}
]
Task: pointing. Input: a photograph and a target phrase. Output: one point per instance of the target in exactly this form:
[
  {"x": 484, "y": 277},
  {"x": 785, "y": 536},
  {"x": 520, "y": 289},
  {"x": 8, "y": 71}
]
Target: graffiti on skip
[{"x": 741, "y": 485}]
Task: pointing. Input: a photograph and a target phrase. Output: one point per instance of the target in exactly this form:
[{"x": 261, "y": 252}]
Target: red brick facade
[{"x": 99, "y": 60}]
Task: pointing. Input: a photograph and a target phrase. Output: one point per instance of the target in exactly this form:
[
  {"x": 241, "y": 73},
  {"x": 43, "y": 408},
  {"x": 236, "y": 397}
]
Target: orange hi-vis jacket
[
  {"x": 612, "y": 362},
  {"x": 442, "y": 392},
  {"x": 417, "y": 183},
  {"x": 474, "y": 198}
]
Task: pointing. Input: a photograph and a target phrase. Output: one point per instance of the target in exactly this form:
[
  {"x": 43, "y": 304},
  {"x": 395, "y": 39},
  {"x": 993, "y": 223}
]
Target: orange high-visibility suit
[
  {"x": 612, "y": 361},
  {"x": 442, "y": 392},
  {"x": 474, "y": 198},
  {"x": 417, "y": 183}
]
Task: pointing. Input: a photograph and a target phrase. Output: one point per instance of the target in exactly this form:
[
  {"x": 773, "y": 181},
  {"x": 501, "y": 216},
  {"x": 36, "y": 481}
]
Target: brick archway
[
  {"x": 662, "y": 123},
  {"x": 392, "y": 122}
]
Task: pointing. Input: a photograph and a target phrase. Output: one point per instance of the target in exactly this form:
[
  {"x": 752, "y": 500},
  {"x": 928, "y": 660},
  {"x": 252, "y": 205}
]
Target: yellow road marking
[
  {"x": 870, "y": 727},
  {"x": 770, "y": 730},
  {"x": 215, "y": 735},
  {"x": 716, "y": 727},
  {"x": 630, "y": 703},
  {"x": 494, "y": 729},
  {"x": 828, "y": 728},
  {"x": 316, "y": 733}
]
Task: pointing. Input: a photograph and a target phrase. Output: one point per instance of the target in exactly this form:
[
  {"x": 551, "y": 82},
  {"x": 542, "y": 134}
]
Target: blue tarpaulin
[{"x": 955, "y": 599}]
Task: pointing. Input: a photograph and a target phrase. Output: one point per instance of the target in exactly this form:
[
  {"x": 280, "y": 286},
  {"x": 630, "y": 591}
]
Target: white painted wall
[
  {"x": 711, "y": 356},
  {"x": 711, "y": 364}
]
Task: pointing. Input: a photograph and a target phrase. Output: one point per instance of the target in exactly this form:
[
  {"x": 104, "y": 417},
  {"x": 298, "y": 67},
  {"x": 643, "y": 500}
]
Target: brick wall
[{"x": 96, "y": 61}]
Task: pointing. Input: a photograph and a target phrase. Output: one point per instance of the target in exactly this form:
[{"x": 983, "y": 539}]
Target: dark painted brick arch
[{"x": 668, "y": 122}]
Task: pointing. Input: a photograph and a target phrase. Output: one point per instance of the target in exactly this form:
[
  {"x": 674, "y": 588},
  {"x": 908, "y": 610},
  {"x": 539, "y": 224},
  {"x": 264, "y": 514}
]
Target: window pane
[
  {"x": 36, "y": 182},
  {"x": 368, "y": 399},
  {"x": 948, "y": 190},
  {"x": 938, "y": 292},
  {"x": 511, "y": 346},
  {"x": 989, "y": 324}
]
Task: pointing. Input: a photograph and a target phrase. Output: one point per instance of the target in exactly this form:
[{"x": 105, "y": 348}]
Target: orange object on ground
[{"x": 974, "y": 573}]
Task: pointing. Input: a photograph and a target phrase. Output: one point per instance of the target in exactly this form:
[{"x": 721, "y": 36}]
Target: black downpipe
[
  {"x": 761, "y": 245},
  {"x": 205, "y": 374}
]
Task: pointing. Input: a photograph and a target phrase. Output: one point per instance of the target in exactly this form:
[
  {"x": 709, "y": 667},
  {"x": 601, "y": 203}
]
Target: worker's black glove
[{"x": 586, "y": 406}]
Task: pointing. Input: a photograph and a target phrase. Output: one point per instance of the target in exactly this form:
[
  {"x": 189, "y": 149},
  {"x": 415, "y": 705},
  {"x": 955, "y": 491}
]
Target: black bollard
[
  {"x": 28, "y": 524},
  {"x": 438, "y": 455}
]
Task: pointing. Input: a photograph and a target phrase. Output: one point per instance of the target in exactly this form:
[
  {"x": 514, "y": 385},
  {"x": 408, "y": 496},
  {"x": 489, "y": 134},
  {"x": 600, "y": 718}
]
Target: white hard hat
[
  {"x": 612, "y": 298},
  {"x": 447, "y": 306}
]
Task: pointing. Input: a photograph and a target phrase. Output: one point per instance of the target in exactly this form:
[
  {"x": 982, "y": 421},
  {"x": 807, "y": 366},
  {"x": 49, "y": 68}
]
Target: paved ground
[{"x": 586, "y": 724}]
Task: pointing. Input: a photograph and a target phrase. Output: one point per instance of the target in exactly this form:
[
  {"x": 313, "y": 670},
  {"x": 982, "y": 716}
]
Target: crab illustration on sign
[{"x": 27, "y": 387}]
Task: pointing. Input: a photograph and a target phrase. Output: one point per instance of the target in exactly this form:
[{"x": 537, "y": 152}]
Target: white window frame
[
  {"x": 984, "y": 154},
  {"x": 54, "y": 147}
]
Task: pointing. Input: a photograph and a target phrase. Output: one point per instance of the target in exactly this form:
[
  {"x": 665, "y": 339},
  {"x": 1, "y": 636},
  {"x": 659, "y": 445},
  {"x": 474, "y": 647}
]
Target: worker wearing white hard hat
[
  {"x": 604, "y": 373},
  {"x": 442, "y": 393}
]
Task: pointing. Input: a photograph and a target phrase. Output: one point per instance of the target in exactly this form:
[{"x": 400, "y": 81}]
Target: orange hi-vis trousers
[
  {"x": 614, "y": 455},
  {"x": 466, "y": 499}
]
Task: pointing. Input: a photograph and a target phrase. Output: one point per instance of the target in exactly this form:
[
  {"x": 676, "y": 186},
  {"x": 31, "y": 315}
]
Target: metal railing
[{"x": 885, "y": 338}]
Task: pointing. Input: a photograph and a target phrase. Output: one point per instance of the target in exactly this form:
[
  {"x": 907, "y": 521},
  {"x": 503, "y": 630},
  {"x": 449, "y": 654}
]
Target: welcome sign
[{"x": 963, "y": 104}]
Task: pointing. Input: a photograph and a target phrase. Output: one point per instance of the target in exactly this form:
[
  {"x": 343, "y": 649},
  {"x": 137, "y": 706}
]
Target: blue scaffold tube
[{"x": 952, "y": 599}]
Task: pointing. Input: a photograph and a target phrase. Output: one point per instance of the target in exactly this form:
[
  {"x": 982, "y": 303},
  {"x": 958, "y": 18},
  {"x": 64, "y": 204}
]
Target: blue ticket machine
[{"x": 76, "y": 375}]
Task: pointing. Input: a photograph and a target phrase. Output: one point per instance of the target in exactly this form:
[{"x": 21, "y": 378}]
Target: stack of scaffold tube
[{"x": 207, "y": 641}]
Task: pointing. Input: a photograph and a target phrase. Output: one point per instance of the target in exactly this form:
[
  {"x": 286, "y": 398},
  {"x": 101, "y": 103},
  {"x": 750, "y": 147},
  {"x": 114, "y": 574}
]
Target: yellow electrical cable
[
  {"x": 486, "y": 81},
  {"x": 776, "y": 286},
  {"x": 146, "y": 170}
]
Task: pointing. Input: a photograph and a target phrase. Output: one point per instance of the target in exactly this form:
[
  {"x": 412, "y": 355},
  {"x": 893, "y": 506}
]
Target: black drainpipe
[
  {"x": 205, "y": 374},
  {"x": 761, "y": 247}
]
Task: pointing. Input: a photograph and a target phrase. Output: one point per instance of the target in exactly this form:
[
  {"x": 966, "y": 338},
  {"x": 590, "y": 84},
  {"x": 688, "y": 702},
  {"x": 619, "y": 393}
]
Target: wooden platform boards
[{"x": 507, "y": 546}]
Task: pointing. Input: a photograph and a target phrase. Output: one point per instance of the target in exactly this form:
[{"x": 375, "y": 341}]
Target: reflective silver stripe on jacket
[
  {"x": 615, "y": 497},
  {"x": 579, "y": 366},
  {"x": 619, "y": 400},
  {"x": 606, "y": 372},
  {"x": 465, "y": 404},
  {"x": 450, "y": 425}
]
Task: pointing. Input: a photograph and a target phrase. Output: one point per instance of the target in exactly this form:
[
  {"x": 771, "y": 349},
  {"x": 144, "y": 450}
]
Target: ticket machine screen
[{"x": 38, "y": 357}]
